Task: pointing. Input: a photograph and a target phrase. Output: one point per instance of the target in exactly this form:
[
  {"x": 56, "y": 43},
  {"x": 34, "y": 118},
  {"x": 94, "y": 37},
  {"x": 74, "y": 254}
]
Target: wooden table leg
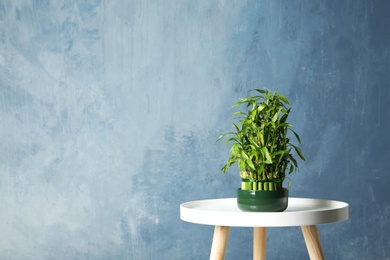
[
  {"x": 220, "y": 240},
  {"x": 313, "y": 243},
  {"x": 259, "y": 243}
]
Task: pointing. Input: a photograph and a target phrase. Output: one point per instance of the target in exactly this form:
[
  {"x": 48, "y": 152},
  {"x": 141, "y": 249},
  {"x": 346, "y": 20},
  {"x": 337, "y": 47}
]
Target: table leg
[
  {"x": 259, "y": 243},
  {"x": 313, "y": 243},
  {"x": 220, "y": 240}
]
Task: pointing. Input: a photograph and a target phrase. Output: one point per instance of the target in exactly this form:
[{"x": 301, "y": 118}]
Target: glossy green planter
[{"x": 262, "y": 200}]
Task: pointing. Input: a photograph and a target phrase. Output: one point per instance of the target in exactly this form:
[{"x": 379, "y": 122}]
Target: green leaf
[
  {"x": 299, "y": 152},
  {"x": 276, "y": 116},
  {"x": 283, "y": 98},
  {"x": 259, "y": 90},
  {"x": 235, "y": 140},
  {"x": 253, "y": 115},
  {"x": 234, "y": 149},
  {"x": 268, "y": 158},
  {"x": 244, "y": 155},
  {"x": 239, "y": 103},
  {"x": 296, "y": 136},
  {"x": 241, "y": 165},
  {"x": 261, "y": 107},
  {"x": 294, "y": 161},
  {"x": 222, "y": 136},
  {"x": 260, "y": 137},
  {"x": 260, "y": 170},
  {"x": 286, "y": 125},
  {"x": 239, "y": 113},
  {"x": 250, "y": 164}
]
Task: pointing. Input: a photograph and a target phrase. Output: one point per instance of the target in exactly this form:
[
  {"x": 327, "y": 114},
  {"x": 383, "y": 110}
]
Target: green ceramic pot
[{"x": 262, "y": 201}]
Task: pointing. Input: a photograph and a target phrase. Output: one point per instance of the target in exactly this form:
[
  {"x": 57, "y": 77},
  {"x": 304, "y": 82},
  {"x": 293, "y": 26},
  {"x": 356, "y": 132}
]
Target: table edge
[{"x": 265, "y": 219}]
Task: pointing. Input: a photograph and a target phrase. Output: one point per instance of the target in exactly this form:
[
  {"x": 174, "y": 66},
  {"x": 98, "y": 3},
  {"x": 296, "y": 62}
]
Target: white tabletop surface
[{"x": 300, "y": 212}]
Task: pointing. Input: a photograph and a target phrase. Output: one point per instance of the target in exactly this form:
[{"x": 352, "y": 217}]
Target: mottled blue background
[{"x": 109, "y": 112}]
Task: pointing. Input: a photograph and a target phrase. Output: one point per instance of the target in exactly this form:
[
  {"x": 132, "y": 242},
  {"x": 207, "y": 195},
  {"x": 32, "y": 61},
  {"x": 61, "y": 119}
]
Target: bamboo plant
[{"x": 261, "y": 144}]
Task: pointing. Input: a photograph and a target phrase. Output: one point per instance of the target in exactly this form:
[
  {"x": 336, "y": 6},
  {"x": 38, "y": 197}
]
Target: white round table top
[{"x": 300, "y": 212}]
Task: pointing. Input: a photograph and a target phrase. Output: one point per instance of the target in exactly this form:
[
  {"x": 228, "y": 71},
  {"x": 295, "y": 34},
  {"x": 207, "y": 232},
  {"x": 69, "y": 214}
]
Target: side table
[{"x": 224, "y": 213}]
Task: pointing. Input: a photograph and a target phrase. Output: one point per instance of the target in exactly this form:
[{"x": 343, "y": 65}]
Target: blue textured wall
[{"x": 109, "y": 112}]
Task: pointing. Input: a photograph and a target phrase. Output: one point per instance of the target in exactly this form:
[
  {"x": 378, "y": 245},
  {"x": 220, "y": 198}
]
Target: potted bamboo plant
[{"x": 262, "y": 149}]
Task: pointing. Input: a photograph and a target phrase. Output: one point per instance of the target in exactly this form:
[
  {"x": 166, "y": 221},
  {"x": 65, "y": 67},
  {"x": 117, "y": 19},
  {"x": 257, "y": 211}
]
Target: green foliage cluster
[{"x": 261, "y": 144}]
